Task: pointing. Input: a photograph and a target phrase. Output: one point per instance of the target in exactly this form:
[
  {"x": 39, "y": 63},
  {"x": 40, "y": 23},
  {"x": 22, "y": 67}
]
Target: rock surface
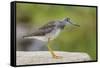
[{"x": 43, "y": 57}]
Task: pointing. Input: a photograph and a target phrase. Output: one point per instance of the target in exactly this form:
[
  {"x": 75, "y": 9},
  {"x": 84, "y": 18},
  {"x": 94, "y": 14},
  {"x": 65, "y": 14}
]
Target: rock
[{"x": 43, "y": 57}]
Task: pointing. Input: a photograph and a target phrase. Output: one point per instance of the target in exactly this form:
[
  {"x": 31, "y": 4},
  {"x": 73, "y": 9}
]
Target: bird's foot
[{"x": 57, "y": 57}]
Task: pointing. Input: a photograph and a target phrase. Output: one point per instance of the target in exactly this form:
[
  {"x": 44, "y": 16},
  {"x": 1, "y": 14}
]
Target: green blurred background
[{"x": 81, "y": 40}]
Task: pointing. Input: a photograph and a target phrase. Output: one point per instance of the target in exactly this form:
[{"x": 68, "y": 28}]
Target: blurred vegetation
[{"x": 81, "y": 40}]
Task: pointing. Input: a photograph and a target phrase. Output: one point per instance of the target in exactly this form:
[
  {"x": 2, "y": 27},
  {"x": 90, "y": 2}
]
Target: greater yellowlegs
[{"x": 49, "y": 32}]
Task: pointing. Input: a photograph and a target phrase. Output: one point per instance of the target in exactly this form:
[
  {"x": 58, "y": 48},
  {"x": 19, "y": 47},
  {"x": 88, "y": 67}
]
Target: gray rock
[{"x": 42, "y": 57}]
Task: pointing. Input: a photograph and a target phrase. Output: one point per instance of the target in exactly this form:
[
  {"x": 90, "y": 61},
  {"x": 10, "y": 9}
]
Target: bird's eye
[{"x": 67, "y": 19}]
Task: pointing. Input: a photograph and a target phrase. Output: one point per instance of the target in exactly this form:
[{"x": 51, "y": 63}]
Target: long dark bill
[{"x": 75, "y": 24}]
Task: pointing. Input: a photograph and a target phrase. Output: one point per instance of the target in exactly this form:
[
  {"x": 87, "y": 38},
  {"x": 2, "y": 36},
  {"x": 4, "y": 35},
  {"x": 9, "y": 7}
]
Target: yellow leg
[{"x": 51, "y": 51}]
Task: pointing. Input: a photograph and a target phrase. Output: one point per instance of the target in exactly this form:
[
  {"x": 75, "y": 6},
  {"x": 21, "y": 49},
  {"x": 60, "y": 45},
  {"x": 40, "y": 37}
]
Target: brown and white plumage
[
  {"x": 42, "y": 32},
  {"x": 50, "y": 30}
]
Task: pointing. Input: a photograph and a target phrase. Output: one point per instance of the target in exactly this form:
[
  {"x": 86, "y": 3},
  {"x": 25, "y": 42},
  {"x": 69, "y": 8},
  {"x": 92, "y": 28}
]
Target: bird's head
[{"x": 66, "y": 22}]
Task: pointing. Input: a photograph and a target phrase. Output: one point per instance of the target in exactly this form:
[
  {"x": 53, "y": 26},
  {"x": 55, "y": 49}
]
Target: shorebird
[{"x": 49, "y": 32}]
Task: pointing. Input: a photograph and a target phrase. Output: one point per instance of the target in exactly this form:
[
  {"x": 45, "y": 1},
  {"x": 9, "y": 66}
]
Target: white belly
[
  {"x": 42, "y": 38},
  {"x": 54, "y": 34},
  {"x": 51, "y": 35}
]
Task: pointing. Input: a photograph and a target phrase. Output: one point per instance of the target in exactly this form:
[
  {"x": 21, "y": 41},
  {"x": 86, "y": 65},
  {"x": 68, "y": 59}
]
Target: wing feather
[{"x": 47, "y": 28}]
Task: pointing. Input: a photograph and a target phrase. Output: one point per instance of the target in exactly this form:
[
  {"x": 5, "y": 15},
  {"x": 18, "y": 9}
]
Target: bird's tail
[{"x": 26, "y": 36}]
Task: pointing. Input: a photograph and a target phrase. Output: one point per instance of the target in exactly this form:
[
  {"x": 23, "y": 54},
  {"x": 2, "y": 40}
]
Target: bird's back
[{"x": 45, "y": 29}]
